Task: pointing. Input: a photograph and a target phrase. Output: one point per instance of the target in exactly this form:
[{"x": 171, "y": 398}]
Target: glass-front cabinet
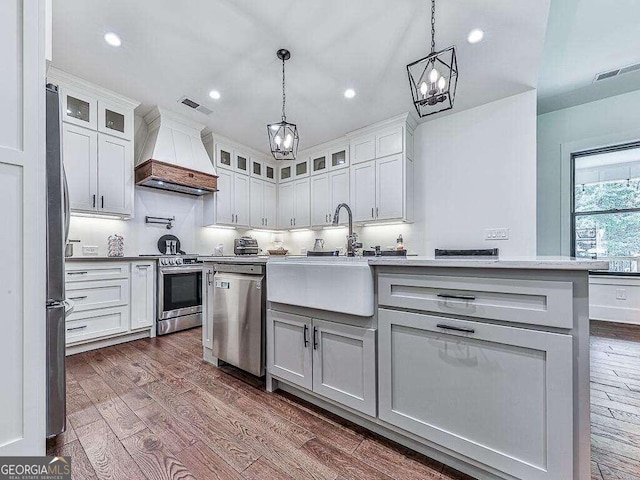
[
  {"x": 224, "y": 155},
  {"x": 269, "y": 171},
  {"x": 257, "y": 169},
  {"x": 79, "y": 109},
  {"x": 285, "y": 172},
  {"x": 115, "y": 120},
  {"x": 242, "y": 163},
  {"x": 339, "y": 158},
  {"x": 319, "y": 163},
  {"x": 301, "y": 168}
]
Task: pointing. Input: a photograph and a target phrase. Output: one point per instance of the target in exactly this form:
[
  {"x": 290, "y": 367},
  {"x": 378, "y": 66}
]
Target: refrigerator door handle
[{"x": 67, "y": 207}]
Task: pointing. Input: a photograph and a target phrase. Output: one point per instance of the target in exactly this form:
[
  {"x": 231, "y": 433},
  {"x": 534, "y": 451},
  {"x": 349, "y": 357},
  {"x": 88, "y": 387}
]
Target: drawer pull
[
  {"x": 78, "y": 298},
  {"x": 76, "y": 328},
  {"x": 315, "y": 338},
  {"x": 456, "y": 297},
  {"x": 304, "y": 335},
  {"x": 77, "y": 273},
  {"x": 457, "y": 329}
]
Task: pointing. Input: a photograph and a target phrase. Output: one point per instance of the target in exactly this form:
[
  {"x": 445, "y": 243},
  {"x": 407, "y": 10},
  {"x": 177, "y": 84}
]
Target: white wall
[
  {"x": 610, "y": 121},
  {"x": 476, "y": 170}
]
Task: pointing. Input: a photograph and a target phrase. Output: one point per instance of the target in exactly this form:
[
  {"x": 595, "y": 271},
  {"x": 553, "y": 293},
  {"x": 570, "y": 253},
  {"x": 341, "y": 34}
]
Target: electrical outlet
[
  {"x": 621, "y": 294},
  {"x": 90, "y": 250},
  {"x": 496, "y": 234}
]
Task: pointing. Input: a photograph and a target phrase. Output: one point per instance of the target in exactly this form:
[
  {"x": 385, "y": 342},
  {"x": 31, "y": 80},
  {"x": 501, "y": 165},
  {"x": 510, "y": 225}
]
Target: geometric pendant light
[
  {"x": 434, "y": 78},
  {"x": 283, "y": 136}
]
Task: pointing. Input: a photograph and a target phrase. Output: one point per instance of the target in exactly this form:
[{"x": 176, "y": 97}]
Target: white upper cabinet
[
  {"x": 363, "y": 149},
  {"x": 319, "y": 163},
  {"x": 242, "y": 163},
  {"x": 79, "y": 108},
  {"x": 115, "y": 175},
  {"x": 285, "y": 205},
  {"x": 382, "y": 172},
  {"x": 320, "y": 201},
  {"x": 338, "y": 192},
  {"x": 285, "y": 171},
  {"x": 301, "y": 168},
  {"x": 263, "y": 208},
  {"x": 257, "y": 168},
  {"x": 363, "y": 191},
  {"x": 389, "y": 188},
  {"x": 389, "y": 142},
  {"x": 230, "y": 204},
  {"x": 269, "y": 172},
  {"x": 339, "y": 157},
  {"x": 115, "y": 120},
  {"x": 98, "y": 157},
  {"x": 80, "y": 155},
  {"x": 302, "y": 204},
  {"x": 224, "y": 156},
  {"x": 241, "y": 199}
]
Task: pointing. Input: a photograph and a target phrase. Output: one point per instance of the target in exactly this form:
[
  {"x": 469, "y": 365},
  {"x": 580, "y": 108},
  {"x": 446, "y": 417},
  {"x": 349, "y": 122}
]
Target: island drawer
[
  {"x": 535, "y": 302},
  {"x": 82, "y": 271}
]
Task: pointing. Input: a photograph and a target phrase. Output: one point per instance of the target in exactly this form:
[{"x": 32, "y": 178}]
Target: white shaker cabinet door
[
  {"x": 80, "y": 156},
  {"x": 302, "y": 203},
  {"x": 285, "y": 205},
  {"x": 142, "y": 295},
  {"x": 338, "y": 192},
  {"x": 320, "y": 198},
  {"x": 499, "y": 395},
  {"x": 241, "y": 199},
  {"x": 344, "y": 360},
  {"x": 115, "y": 175},
  {"x": 289, "y": 348},
  {"x": 224, "y": 198},
  {"x": 363, "y": 191},
  {"x": 256, "y": 208},
  {"x": 389, "y": 188},
  {"x": 270, "y": 206}
]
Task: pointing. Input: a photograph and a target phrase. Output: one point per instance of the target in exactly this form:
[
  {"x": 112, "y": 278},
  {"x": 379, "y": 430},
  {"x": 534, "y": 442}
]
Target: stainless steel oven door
[{"x": 179, "y": 291}]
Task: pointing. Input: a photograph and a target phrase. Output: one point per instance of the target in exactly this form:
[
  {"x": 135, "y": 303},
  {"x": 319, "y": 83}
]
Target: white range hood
[{"x": 174, "y": 141}]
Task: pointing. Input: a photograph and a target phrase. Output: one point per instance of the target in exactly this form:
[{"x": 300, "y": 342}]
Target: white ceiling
[
  {"x": 171, "y": 49},
  {"x": 586, "y": 37}
]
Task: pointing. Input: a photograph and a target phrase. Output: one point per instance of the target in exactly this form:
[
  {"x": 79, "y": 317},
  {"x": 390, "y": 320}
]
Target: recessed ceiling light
[
  {"x": 475, "y": 36},
  {"x": 349, "y": 93},
  {"x": 112, "y": 39},
  {"x": 214, "y": 94}
]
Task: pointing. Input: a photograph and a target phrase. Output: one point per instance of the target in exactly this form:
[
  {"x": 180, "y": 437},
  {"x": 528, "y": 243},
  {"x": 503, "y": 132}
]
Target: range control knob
[
  {"x": 163, "y": 261},
  {"x": 178, "y": 261},
  {"x": 172, "y": 261}
]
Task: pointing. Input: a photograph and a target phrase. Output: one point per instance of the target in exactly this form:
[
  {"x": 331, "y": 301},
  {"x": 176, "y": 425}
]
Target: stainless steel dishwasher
[{"x": 239, "y": 312}]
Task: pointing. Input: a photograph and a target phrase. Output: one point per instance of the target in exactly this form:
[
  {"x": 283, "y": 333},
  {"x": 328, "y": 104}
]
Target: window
[{"x": 606, "y": 205}]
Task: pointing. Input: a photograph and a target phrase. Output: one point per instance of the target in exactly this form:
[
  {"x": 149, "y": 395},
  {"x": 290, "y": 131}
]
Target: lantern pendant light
[
  {"x": 283, "y": 136},
  {"x": 433, "y": 79}
]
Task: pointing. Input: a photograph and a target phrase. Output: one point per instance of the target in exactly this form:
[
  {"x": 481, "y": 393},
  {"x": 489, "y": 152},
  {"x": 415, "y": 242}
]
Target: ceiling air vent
[
  {"x": 195, "y": 105},
  {"x": 617, "y": 72}
]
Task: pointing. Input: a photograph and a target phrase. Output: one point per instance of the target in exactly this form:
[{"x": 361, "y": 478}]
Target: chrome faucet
[{"x": 352, "y": 238}]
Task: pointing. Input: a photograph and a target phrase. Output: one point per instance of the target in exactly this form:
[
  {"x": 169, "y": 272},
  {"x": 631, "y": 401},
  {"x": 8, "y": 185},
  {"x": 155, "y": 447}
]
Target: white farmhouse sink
[{"x": 335, "y": 284}]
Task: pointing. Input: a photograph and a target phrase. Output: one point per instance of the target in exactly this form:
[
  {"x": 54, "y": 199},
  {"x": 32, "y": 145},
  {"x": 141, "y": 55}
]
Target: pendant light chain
[
  {"x": 284, "y": 97},
  {"x": 433, "y": 26}
]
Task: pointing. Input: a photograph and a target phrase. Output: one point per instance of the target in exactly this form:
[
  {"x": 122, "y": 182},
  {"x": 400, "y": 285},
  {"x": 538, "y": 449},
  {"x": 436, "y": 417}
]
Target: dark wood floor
[{"x": 151, "y": 409}]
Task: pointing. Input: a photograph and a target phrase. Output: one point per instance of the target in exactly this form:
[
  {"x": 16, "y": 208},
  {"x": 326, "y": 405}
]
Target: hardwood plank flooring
[{"x": 152, "y": 409}]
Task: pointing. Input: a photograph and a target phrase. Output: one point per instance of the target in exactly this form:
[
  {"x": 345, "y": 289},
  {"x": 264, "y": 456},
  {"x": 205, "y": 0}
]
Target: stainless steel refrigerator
[{"x": 57, "y": 231}]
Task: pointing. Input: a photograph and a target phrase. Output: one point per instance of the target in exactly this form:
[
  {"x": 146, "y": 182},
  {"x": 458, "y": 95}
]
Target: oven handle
[{"x": 188, "y": 269}]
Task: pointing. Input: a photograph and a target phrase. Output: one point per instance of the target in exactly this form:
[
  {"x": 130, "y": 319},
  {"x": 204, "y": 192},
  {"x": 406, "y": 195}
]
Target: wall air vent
[
  {"x": 195, "y": 106},
  {"x": 617, "y": 72}
]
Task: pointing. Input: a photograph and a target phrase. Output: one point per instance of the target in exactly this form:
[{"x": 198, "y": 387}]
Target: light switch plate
[
  {"x": 496, "y": 234},
  {"x": 90, "y": 250}
]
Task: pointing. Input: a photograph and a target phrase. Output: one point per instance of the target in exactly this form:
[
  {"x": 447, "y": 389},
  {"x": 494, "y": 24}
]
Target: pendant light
[
  {"x": 433, "y": 79},
  {"x": 283, "y": 136}
]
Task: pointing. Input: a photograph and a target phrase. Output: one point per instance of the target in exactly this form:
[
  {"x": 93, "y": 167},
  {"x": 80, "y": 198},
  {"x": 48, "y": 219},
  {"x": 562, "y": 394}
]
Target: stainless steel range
[{"x": 179, "y": 293}]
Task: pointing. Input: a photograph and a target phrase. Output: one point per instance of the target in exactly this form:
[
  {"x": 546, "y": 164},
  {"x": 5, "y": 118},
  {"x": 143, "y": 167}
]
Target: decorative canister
[{"x": 115, "y": 246}]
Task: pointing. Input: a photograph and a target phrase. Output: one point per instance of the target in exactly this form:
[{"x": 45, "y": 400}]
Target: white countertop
[{"x": 537, "y": 263}]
